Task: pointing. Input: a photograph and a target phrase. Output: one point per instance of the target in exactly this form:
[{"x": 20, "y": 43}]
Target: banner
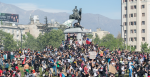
[
  {"x": 68, "y": 22},
  {"x": 92, "y": 54},
  {"x": 9, "y": 17}
]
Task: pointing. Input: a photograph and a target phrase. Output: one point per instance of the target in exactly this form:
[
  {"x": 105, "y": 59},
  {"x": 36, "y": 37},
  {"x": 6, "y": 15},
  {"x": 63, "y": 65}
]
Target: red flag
[{"x": 24, "y": 61}]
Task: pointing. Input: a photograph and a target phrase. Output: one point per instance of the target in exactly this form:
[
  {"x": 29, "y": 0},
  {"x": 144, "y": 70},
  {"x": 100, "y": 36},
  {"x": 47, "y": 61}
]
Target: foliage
[
  {"x": 96, "y": 40},
  {"x": 90, "y": 36},
  {"x": 109, "y": 41},
  {"x": 29, "y": 41},
  {"x": 8, "y": 41},
  {"x": 144, "y": 47},
  {"x": 130, "y": 48},
  {"x": 53, "y": 38}
]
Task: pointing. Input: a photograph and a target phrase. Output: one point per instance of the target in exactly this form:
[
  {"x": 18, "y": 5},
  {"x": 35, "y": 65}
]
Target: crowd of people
[{"x": 72, "y": 59}]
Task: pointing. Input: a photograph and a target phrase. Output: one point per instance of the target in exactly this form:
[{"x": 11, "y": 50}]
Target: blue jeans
[
  {"x": 130, "y": 73},
  {"x": 33, "y": 62},
  {"x": 54, "y": 69}
]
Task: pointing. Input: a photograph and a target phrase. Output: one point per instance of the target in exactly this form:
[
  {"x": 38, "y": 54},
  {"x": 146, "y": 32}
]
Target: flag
[
  {"x": 24, "y": 61},
  {"x": 88, "y": 41},
  {"x": 68, "y": 22}
]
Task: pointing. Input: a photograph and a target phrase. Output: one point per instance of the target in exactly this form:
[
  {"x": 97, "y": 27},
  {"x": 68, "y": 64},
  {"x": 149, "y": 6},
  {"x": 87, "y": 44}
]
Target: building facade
[
  {"x": 34, "y": 28},
  {"x": 100, "y": 33},
  {"x": 135, "y": 25}
]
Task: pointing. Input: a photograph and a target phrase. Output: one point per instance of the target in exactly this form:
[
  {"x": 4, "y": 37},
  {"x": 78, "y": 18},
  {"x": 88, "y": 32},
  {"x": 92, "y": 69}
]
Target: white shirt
[
  {"x": 130, "y": 65},
  {"x": 141, "y": 60},
  {"x": 80, "y": 42},
  {"x": 122, "y": 68},
  {"x": 129, "y": 58},
  {"x": 95, "y": 71},
  {"x": 70, "y": 42},
  {"x": 12, "y": 53},
  {"x": 23, "y": 51}
]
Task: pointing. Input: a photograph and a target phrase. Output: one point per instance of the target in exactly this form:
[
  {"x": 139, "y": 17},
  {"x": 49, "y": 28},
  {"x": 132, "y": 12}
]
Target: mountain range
[{"x": 89, "y": 20}]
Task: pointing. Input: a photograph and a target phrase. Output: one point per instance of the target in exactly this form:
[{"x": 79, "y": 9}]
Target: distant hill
[{"x": 89, "y": 21}]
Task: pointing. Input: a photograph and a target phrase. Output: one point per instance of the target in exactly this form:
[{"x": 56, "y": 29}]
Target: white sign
[{"x": 92, "y": 55}]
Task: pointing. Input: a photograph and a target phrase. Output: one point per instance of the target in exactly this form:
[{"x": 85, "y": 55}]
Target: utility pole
[{"x": 46, "y": 27}]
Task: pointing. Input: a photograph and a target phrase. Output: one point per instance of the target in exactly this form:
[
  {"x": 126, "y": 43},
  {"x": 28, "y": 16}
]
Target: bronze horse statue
[{"x": 76, "y": 14}]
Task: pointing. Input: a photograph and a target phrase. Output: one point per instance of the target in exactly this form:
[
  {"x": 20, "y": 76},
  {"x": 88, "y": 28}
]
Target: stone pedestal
[{"x": 78, "y": 31}]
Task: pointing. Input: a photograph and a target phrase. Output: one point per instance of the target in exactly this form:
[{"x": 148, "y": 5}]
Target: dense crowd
[{"x": 72, "y": 59}]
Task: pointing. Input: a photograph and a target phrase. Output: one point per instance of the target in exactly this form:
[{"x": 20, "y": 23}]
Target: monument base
[{"x": 78, "y": 31}]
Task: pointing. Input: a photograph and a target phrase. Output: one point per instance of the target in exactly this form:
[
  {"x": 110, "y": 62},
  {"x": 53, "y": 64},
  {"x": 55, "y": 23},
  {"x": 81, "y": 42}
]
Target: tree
[
  {"x": 53, "y": 38},
  {"x": 40, "y": 43},
  {"x": 29, "y": 41},
  {"x": 119, "y": 35},
  {"x": 144, "y": 47},
  {"x": 8, "y": 41},
  {"x": 109, "y": 41},
  {"x": 96, "y": 40}
]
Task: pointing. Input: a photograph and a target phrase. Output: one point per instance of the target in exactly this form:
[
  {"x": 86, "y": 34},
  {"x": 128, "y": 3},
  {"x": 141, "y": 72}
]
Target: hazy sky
[{"x": 108, "y": 8}]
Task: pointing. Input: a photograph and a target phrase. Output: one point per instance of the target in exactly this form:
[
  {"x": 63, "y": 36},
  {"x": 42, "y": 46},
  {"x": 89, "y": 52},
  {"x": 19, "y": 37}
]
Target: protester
[{"x": 72, "y": 59}]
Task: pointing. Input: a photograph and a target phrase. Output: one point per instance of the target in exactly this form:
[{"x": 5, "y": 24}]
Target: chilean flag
[{"x": 88, "y": 41}]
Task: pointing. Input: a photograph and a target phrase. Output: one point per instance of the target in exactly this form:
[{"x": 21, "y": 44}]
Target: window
[
  {"x": 143, "y": 22},
  {"x": 125, "y": 7},
  {"x": 131, "y": 7},
  {"x": 125, "y": 23},
  {"x": 134, "y": 6},
  {"x": 125, "y": 16},
  {"x": 131, "y": 39},
  {"x": 143, "y": 14},
  {"x": 125, "y": 31},
  {"x": 143, "y": 30},
  {"x": 131, "y": 15},
  {"x": 143, "y": 38},
  {"x": 135, "y": 39},
  {"x": 135, "y": 46},
  {"x": 142, "y": 6},
  {"x": 124, "y": 0},
  {"x": 134, "y": 30},
  {"x": 130, "y": 23},
  {"x": 134, "y": 14},
  {"x": 131, "y": 31},
  {"x": 134, "y": 22},
  {"x": 125, "y": 39}
]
